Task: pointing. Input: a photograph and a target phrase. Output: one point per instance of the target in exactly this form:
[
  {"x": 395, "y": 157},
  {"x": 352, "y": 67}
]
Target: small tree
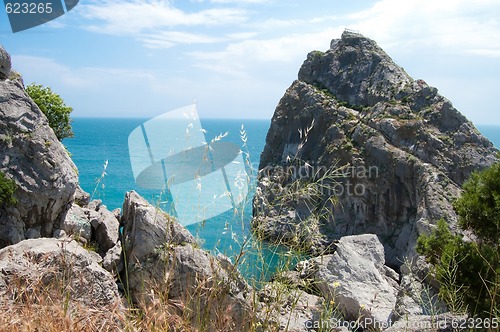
[
  {"x": 54, "y": 108},
  {"x": 7, "y": 191},
  {"x": 469, "y": 272}
]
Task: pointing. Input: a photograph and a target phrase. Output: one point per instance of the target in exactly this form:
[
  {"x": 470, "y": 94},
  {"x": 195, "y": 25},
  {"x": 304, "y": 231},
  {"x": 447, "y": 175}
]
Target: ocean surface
[{"x": 100, "y": 141}]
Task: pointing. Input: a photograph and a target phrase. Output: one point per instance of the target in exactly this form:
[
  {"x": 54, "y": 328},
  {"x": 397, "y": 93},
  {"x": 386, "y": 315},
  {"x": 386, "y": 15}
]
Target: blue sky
[{"x": 116, "y": 58}]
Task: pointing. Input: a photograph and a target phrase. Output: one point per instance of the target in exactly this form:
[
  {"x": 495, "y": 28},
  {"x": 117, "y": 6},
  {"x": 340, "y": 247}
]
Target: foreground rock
[
  {"x": 165, "y": 266},
  {"x": 405, "y": 151},
  {"x": 358, "y": 281},
  {"x": 31, "y": 155},
  {"x": 44, "y": 265},
  {"x": 93, "y": 224}
]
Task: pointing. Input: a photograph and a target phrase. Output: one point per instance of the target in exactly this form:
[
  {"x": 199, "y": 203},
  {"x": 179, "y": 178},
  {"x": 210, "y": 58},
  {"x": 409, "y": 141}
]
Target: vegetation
[
  {"x": 54, "y": 108},
  {"x": 469, "y": 271},
  {"x": 7, "y": 191}
]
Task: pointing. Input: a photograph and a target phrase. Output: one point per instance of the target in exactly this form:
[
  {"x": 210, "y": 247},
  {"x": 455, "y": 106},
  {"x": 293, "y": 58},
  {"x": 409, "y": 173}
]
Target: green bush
[
  {"x": 479, "y": 207},
  {"x": 7, "y": 190},
  {"x": 469, "y": 271},
  {"x": 54, "y": 108}
]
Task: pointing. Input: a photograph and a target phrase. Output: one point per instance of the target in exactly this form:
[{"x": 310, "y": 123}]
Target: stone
[
  {"x": 105, "y": 228},
  {"x": 33, "y": 157},
  {"x": 113, "y": 260},
  {"x": 147, "y": 227},
  {"x": 5, "y": 64},
  {"x": 164, "y": 262},
  {"x": 77, "y": 223},
  {"x": 45, "y": 263},
  {"x": 355, "y": 278},
  {"x": 288, "y": 309}
]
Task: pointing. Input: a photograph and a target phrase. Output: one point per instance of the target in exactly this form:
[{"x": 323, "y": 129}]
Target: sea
[{"x": 100, "y": 151}]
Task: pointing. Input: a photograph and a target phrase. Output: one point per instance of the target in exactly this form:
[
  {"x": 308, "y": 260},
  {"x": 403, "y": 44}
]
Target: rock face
[
  {"x": 405, "y": 151},
  {"x": 31, "y": 155},
  {"x": 357, "y": 279},
  {"x": 39, "y": 264},
  {"x": 5, "y": 64}
]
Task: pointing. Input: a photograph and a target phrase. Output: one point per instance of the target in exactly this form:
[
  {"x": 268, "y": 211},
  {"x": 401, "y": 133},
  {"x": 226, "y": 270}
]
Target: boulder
[
  {"x": 164, "y": 265},
  {"x": 39, "y": 265},
  {"x": 355, "y": 278},
  {"x": 5, "y": 64},
  {"x": 33, "y": 157},
  {"x": 147, "y": 227},
  {"x": 286, "y": 308},
  {"x": 94, "y": 223}
]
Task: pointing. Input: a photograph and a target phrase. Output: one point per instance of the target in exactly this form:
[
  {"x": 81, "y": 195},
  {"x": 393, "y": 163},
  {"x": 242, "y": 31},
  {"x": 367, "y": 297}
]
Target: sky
[{"x": 236, "y": 58}]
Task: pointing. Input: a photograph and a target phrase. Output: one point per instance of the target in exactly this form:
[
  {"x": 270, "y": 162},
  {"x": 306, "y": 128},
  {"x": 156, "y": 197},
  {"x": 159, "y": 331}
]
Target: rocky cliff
[
  {"x": 31, "y": 155},
  {"x": 357, "y": 146}
]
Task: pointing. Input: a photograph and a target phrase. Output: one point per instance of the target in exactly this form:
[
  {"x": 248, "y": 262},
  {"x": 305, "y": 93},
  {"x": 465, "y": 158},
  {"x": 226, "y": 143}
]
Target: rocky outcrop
[
  {"x": 40, "y": 265},
  {"x": 357, "y": 146},
  {"x": 5, "y": 64},
  {"x": 164, "y": 262},
  {"x": 31, "y": 155}
]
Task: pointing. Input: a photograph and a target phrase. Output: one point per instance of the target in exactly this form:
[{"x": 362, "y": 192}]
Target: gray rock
[
  {"x": 395, "y": 152},
  {"x": 288, "y": 309},
  {"x": 57, "y": 263},
  {"x": 77, "y": 223},
  {"x": 31, "y": 155},
  {"x": 147, "y": 227},
  {"x": 5, "y": 64},
  {"x": 355, "y": 277},
  {"x": 105, "y": 228},
  {"x": 163, "y": 262},
  {"x": 112, "y": 261}
]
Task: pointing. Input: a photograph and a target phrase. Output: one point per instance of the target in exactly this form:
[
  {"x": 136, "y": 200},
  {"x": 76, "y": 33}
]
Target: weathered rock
[
  {"x": 404, "y": 148},
  {"x": 5, "y": 64},
  {"x": 31, "y": 155},
  {"x": 288, "y": 309},
  {"x": 93, "y": 222},
  {"x": 77, "y": 223},
  {"x": 163, "y": 262},
  {"x": 44, "y": 264},
  {"x": 147, "y": 227},
  {"x": 356, "y": 278}
]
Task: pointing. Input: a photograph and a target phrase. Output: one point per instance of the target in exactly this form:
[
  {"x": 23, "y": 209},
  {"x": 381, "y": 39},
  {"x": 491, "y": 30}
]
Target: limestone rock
[
  {"x": 45, "y": 263},
  {"x": 32, "y": 156},
  {"x": 357, "y": 146},
  {"x": 164, "y": 263},
  {"x": 93, "y": 223},
  {"x": 5, "y": 64},
  {"x": 355, "y": 277},
  {"x": 147, "y": 227}
]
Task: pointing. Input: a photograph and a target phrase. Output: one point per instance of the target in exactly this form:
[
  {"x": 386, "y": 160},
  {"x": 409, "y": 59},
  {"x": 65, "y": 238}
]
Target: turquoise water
[{"x": 98, "y": 140}]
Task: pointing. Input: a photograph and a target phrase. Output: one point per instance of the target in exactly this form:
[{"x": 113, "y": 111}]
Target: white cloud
[
  {"x": 168, "y": 39},
  {"x": 134, "y": 17},
  {"x": 240, "y": 1},
  {"x": 447, "y": 26}
]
